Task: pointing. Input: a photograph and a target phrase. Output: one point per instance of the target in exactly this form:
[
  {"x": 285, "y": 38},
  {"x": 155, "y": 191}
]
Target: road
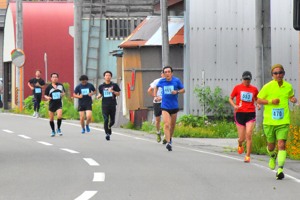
[{"x": 130, "y": 166}]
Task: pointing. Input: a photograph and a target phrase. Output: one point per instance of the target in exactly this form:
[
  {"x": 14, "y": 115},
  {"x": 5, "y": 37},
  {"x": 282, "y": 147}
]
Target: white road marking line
[
  {"x": 69, "y": 150},
  {"x": 25, "y": 137},
  {"x": 99, "y": 177},
  {"x": 91, "y": 161},
  {"x": 44, "y": 143},
  {"x": 7, "y": 131},
  {"x": 86, "y": 195}
]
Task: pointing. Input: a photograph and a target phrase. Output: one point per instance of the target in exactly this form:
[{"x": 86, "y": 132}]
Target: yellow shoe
[
  {"x": 240, "y": 149},
  {"x": 247, "y": 159}
]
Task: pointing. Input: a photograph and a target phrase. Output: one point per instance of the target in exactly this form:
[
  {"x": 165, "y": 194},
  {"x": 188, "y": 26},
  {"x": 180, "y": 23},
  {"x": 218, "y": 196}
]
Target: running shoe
[
  {"x": 240, "y": 149},
  {"x": 107, "y": 137},
  {"x": 34, "y": 114},
  {"x": 272, "y": 162},
  {"x": 247, "y": 159},
  {"x": 59, "y": 132},
  {"x": 83, "y": 131},
  {"x": 158, "y": 137},
  {"x": 87, "y": 128},
  {"x": 169, "y": 147},
  {"x": 37, "y": 115},
  {"x": 53, "y": 134},
  {"x": 279, "y": 174},
  {"x": 164, "y": 140}
]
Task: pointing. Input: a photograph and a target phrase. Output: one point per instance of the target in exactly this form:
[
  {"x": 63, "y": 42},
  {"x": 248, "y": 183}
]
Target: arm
[
  {"x": 235, "y": 107},
  {"x": 293, "y": 99},
  {"x": 150, "y": 91},
  {"x": 30, "y": 86},
  {"x": 266, "y": 102}
]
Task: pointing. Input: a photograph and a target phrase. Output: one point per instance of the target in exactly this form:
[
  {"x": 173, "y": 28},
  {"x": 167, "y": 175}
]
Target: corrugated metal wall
[{"x": 222, "y": 43}]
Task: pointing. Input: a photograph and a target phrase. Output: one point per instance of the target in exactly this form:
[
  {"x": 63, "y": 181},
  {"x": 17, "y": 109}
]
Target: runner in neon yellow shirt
[{"x": 275, "y": 97}]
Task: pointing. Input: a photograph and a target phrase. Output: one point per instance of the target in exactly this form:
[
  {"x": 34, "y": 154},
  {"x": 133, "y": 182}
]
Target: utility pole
[
  {"x": 19, "y": 42},
  {"x": 263, "y": 47},
  {"x": 165, "y": 33},
  {"x": 77, "y": 44}
]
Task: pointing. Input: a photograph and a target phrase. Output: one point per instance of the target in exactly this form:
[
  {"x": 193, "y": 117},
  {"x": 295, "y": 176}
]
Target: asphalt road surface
[{"x": 35, "y": 166}]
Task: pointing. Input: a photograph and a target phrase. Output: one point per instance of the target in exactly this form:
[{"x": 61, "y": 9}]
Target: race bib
[
  {"x": 277, "y": 113},
  {"x": 55, "y": 95},
  {"x": 168, "y": 89},
  {"x": 37, "y": 90},
  {"x": 106, "y": 93},
  {"x": 85, "y": 91},
  {"x": 246, "y": 96}
]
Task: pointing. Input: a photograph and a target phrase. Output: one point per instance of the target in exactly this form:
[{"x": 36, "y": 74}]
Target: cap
[{"x": 247, "y": 75}]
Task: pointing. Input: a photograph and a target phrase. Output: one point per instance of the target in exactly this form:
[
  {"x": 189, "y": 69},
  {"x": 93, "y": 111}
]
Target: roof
[{"x": 148, "y": 33}]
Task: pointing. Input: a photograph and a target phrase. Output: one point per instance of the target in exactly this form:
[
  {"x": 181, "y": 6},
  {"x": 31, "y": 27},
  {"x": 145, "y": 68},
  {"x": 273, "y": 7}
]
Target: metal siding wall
[
  {"x": 285, "y": 40},
  {"x": 222, "y": 44}
]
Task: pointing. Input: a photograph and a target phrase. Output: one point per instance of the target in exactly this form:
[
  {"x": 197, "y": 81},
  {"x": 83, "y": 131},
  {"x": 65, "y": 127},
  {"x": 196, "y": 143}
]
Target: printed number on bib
[
  {"x": 55, "y": 95},
  {"x": 246, "y": 96},
  {"x": 106, "y": 93},
  {"x": 168, "y": 89},
  {"x": 277, "y": 113},
  {"x": 37, "y": 90},
  {"x": 85, "y": 91}
]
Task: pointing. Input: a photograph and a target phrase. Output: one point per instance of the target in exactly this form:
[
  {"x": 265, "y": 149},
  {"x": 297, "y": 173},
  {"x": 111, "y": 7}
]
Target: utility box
[{"x": 137, "y": 117}]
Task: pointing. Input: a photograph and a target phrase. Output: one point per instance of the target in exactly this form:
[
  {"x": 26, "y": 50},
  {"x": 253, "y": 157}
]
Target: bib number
[
  {"x": 246, "y": 96},
  {"x": 85, "y": 91},
  {"x": 168, "y": 89},
  {"x": 277, "y": 113},
  {"x": 55, "y": 95},
  {"x": 37, "y": 90},
  {"x": 106, "y": 93}
]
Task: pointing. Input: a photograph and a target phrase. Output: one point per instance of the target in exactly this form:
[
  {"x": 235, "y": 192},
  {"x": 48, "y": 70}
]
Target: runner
[
  {"x": 156, "y": 107},
  {"x": 54, "y": 93},
  {"x": 244, "y": 112},
  {"x": 171, "y": 87},
  {"x": 108, "y": 91},
  {"x": 84, "y": 92},
  {"x": 275, "y": 97},
  {"x": 36, "y": 85}
]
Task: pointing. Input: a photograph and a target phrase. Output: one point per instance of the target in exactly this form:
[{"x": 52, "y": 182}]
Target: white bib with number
[
  {"x": 55, "y": 95},
  {"x": 37, "y": 90},
  {"x": 106, "y": 93},
  {"x": 277, "y": 113},
  {"x": 85, "y": 91},
  {"x": 168, "y": 89},
  {"x": 246, "y": 96}
]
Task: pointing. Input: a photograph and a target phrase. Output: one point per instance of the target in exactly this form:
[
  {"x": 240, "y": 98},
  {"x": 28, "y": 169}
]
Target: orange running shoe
[
  {"x": 247, "y": 159},
  {"x": 240, "y": 149}
]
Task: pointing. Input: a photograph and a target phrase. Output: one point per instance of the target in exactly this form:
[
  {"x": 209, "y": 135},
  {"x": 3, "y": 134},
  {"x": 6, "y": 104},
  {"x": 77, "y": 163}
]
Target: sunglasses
[
  {"x": 280, "y": 72},
  {"x": 247, "y": 79}
]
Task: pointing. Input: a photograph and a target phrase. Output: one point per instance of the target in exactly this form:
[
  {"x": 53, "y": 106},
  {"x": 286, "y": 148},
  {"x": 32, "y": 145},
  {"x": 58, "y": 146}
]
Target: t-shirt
[
  {"x": 86, "y": 100},
  {"x": 276, "y": 114},
  {"x": 55, "y": 93},
  {"x": 37, "y": 89},
  {"x": 108, "y": 98},
  {"x": 169, "y": 100},
  {"x": 245, "y": 97},
  {"x": 159, "y": 90}
]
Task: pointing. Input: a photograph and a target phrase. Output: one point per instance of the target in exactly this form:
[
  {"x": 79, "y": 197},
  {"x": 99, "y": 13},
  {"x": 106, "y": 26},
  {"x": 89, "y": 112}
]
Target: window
[{"x": 120, "y": 28}]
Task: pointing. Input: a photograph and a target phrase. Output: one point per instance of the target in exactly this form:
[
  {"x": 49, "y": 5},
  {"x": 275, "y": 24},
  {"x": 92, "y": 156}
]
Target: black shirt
[
  {"x": 55, "y": 93},
  {"x": 85, "y": 90},
  {"x": 108, "y": 98},
  {"x": 37, "y": 89}
]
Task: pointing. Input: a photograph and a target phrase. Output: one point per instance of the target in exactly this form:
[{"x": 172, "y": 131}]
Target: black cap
[{"x": 247, "y": 75}]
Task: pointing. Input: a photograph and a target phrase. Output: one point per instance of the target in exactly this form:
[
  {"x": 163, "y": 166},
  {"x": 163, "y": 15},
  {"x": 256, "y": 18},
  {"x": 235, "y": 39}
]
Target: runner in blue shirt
[
  {"x": 171, "y": 87},
  {"x": 84, "y": 92}
]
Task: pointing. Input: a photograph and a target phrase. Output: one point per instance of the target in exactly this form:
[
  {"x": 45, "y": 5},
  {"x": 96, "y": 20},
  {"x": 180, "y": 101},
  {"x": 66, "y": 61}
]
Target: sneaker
[
  {"x": 169, "y": 147},
  {"x": 240, "y": 149},
  {"x": 34, "y": 114},
  {"x": 272, "y": 162},
  {"x": 164, "y": 140},
  {"x": 158, "y": 137},
  {"x": 83, "y": 131},
  {"x": 279, "y": 174},
  {"x": 37, "y": 115},
  {"x": 87, "y": 128},
  {"x": 53, "y": 134},
  {"x": 107, "y": 137},
  {"x": 247, "y": 159},
  {"x": 59, "y": 132}
]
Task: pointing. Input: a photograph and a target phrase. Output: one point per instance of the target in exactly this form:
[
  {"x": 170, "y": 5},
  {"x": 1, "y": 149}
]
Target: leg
[
  {"x": 242, "y": 133},
  {"x": 105, "y": 113},
  {"x": 88, "y": 119},
  {"x": 38, "y": 102},
  {"x": 112, "y": 115},
  {"x": 81, "y": 116},
  {"x": 172, "y": 124},
  {"x": 167, "y": 121},
  {"x": 249, "y": 131},
  {"x": 59, "y": 116},
  {"x": 51, "y": 117}
]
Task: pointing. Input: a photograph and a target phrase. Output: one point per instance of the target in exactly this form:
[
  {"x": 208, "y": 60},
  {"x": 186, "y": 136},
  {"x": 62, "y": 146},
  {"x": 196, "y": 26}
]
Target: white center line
[
  {"x": 86, "y": 195},
  {"x": 7, "y": 131},
  {"x": 91, "y": 161},
  {"x": 44, "y": 143},
  {"x": 25, "y": 137},
  {"x": 99, "y": 177},
  {"x": 69, "y": 150}
]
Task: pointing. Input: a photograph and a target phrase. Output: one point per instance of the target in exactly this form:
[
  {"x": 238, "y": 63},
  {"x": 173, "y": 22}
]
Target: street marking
[
  {"x": 7, "y": 131},
  {"x": 25, "y": 137},
  {"x": 91, "y": 161},
  {"x": 86, "y": 195},
  {"x": 99, "y": 177},
  {"x": 69, "y": 150},
  {"x": 44, "y": 143}
]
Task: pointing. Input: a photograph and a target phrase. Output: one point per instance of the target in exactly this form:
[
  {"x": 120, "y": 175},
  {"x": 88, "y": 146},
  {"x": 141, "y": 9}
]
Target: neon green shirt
[{"x": 276, "y": 114}]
